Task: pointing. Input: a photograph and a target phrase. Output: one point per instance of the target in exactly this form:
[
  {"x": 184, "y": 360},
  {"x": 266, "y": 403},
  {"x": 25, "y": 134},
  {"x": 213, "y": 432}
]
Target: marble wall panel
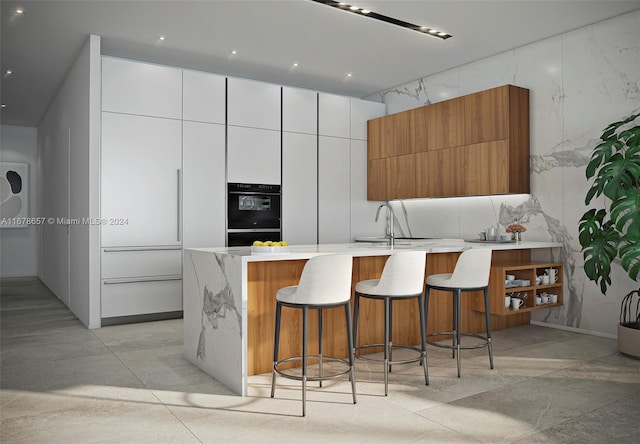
[{"x": 579, "y": 82}]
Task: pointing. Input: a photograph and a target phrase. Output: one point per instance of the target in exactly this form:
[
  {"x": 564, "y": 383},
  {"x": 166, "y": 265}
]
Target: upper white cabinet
[
  {"x": 334, "y": 195},
  {"x": 363, "y": 211},
  {"x": 203, "y": 185},
  {"x": 300, "y": 188},
  {"x": 140, "y": 180},
  {"x": 361, "y": 112},
  {"x": 253, "y": 155},
  {"x": 299, "y": 111},
  {"x": 253, "y": 104},
  {"x": 334, "y": 115},
  {"x": 203, "y": 97},
  {"x": 141, "y": 88}
]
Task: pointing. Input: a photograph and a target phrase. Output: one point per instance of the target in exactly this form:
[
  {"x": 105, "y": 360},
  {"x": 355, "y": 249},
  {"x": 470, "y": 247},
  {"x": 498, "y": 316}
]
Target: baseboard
[
  {"x": 19, "y": 279},
  {"x": 576, "y": 330}
]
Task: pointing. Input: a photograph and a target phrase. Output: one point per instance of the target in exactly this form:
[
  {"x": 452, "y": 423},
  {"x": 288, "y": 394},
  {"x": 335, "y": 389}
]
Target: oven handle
[
  {"x": 253, "y": 193},
  {"x": 253, "y": 230}
]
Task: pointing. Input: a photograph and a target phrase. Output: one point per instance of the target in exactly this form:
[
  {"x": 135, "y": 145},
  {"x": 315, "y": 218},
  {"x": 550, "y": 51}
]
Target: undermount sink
[{"x": 382, "y": 239}]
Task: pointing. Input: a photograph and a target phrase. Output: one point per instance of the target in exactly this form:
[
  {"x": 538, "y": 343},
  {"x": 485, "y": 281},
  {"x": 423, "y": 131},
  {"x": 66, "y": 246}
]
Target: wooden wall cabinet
[{"x": 468, "y": 146}]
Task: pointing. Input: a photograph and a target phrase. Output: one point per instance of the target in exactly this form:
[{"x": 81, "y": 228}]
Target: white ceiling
[{"x": 270, "y": 36}]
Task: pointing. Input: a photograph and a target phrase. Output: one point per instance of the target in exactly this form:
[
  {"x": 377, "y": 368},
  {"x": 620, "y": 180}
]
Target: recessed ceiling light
[
  {"x": 8, "y": 72},
  {"x": 295, "y": 64},
  {"x": 19, "y": 11},
  {"x": 4, "y": 105},
  {"x": 162, "y": 38},
  {"x": 368, "y": 13},
  {"x": 349, "y": 75},
  {"x": 234, "y": 52}
]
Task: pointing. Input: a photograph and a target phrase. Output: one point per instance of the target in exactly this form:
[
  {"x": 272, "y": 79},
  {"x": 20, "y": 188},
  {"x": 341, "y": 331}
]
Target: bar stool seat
[
  {"x": 325, "y": 283},
  {"x": 402, "y": 278},
  {"x": 471, "y": 273}
]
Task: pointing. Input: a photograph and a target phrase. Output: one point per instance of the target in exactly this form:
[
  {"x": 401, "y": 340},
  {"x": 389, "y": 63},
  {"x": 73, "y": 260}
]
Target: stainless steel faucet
[{"x": 390, "y": 234}]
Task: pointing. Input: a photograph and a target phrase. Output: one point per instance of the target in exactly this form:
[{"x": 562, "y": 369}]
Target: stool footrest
[
  {"x": 485, "y": 340},
  {"x": 325, "y": 359},
  {"x": 404, "y": 361}
]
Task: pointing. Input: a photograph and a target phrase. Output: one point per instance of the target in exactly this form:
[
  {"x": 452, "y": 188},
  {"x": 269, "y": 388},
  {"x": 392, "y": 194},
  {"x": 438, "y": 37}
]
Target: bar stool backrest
[
  {"x": 403, "y": 274},
  {"x": 325, "y": 280},
  {"x": 472, "y": 269}
]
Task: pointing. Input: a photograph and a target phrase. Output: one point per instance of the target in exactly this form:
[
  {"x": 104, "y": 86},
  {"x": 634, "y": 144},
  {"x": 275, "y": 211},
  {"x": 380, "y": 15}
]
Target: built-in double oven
[{"x": 253, "y": 213}]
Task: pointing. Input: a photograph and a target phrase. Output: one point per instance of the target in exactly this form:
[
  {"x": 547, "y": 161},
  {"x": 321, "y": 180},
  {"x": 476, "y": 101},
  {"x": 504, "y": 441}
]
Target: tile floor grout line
[{"x": 166, "y": 407}]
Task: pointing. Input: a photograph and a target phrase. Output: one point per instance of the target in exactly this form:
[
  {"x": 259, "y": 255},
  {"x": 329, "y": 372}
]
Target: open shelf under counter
[{"x": 499, "y": 290}]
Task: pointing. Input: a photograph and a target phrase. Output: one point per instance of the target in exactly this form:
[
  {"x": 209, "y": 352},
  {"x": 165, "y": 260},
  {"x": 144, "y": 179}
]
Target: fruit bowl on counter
[{"x": 271, "y": 247}]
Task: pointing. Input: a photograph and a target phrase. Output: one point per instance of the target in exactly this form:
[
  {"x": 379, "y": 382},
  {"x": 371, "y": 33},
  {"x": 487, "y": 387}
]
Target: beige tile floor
[{"x": 62, "y": 383}]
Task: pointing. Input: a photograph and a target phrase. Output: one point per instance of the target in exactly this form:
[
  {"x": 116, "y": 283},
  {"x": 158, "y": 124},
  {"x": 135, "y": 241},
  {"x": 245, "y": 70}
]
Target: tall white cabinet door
[
  {"x": 253, "y": 104},
  {"x": 203, "y": 97},
  {"x": 299, "y": 110},
  {"x": 334, "y": 195},
  {"x": 203, "y": 185},
  {"x": 141, "y": 88},
  {"x": 363, "y": 212},
  {"x": 253, "y": 155},
  {"x": 300, "y": 188},
  {"x": 141, "y": 167},
  {"x": 334, "y": 115},
  {"x": 361, "y": 112}
]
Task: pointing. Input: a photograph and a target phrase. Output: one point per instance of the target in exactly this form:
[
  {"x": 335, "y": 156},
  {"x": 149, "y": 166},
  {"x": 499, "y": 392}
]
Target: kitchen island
[{"x": 229, "y": 302}]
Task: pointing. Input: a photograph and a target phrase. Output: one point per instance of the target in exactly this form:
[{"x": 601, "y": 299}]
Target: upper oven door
[{"x": 253, "y": 206}]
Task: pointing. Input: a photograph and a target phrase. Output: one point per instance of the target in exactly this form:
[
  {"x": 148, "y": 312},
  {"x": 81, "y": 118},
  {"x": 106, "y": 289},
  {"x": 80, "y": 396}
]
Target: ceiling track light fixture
[{"x": 367, "y": 13}]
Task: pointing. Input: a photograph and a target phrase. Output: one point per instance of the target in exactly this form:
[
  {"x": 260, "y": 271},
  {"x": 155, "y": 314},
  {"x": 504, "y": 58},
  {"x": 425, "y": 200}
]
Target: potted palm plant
[{"x": 612, "y": 233}]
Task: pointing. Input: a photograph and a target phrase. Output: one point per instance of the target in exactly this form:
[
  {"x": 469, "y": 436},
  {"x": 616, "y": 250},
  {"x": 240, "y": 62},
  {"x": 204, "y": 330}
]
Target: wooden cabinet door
[
  {"x": 377, "y": 180},
  {"x": 486, "y": 115},
  {"x": 418, "y": 129},
  {"x": 445, "y": 124},
  {"x": 486, "y": 168},
  {"x": 380, "y": 138}
]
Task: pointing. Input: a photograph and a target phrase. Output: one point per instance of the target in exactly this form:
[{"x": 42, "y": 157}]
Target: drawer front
[
  {"x": 126, "y": 298},
  {"x": 118, "y": 263}
]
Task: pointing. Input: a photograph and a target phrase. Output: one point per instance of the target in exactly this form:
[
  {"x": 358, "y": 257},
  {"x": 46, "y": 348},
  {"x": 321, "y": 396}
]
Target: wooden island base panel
[{"x": 229, "y": 291}]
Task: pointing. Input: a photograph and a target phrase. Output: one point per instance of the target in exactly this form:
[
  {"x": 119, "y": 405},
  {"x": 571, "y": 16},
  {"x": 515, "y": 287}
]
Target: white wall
[
  {"x": 69, "y": 144},
  {"x": 19, "y": 252},
  {"x": 579, "y": 82}
]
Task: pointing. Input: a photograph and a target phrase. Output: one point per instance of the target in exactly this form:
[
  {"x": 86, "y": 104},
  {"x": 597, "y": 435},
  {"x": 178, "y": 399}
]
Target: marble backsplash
[{"x": 579, "y": 82}]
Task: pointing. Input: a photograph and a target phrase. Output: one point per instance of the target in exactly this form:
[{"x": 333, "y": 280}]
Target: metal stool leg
[
  {"x": 305, "y": 316},
  {"x": 423, "y": 338},
  {"x": 390, "y": 332},
  {"x": 276, "y": 345},
  {"x": 320, "y": 370},
  {"x": 457, "y": 300},
  {"x": 356, "y": 310},
  {"x": 488, "y": 321},
  {"x": 352, "y": 373},
  {"x": 454, "y": 319},
  {"x": 386, "y": 346}
]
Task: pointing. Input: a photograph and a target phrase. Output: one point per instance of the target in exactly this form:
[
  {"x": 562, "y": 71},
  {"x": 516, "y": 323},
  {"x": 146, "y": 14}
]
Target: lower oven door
[{"x": 243, "y": 238}]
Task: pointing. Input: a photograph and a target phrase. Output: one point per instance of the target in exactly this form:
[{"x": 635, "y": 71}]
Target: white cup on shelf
[
  {"x": 516, "y": 303},
  {"x": 554, "y": 298},
  {"x": 507, "y": 301},
  {"x": 538, "y": 300},
  {"x": 545, "y": 279}
]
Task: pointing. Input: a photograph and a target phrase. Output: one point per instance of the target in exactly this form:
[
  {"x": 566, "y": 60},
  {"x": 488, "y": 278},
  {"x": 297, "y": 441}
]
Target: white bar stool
[
  {"x": 470, "y": 274},
  {"x": 402, "y": 278},
  {"x": 325, "y": 283}
]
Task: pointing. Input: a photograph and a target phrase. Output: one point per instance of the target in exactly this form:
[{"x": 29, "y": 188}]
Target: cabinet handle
[
  {"x": 175, "y": 277},
  {"x": 179, "y": 205},
  {"x": 126, "y": 249}
]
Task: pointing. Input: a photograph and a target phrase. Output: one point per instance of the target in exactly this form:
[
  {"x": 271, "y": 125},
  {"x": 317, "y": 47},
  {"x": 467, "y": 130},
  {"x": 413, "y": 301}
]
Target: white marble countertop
[{"x": 359, "y": 249}]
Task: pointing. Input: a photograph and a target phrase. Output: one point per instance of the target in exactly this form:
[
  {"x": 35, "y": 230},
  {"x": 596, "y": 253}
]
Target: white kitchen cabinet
[
  {"x": 334, "y": 195},
  {"x": 363, "y": 212},
  {"x": 253, "y": 104},
  {"x": 203, "y": 97},
  {"x": 334, "y": 115},
  {"x": 140, "y": 180},
  {"x": 300, "y": 188},
  {"x": 203, "y": 185},
  {"x": 141, "y": 88},
  {"x": 361, "y": 112},
  {"x": 253, "y": 155},
  {"x": 143, "y": 296},
  {"x": 299, "y": 111}
]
